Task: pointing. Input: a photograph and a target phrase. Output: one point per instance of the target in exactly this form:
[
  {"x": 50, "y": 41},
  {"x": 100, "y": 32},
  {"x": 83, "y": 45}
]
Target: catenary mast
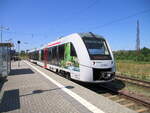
[{"x": 138, "y": 37}]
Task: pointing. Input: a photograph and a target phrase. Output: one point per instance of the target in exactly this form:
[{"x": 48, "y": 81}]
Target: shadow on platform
[
  {"x": 21, "y": 71},
  {"x": 115, "y": 85},
  {"x": 42, "y": 91},
  {"x": 10, "y": 101},
  {"x": 2, "y": 82}
]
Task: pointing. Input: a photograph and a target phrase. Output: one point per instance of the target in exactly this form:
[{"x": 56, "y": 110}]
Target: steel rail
[
  {"x": 129, "y": 95},
  {"x": 134, "y": 81}
]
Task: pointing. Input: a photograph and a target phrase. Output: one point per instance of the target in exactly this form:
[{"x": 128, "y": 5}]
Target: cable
[
  {"x": 90, "y": 6},
  {"x": 69, "y": 19},
  {"x": 25, "y": 33},
  {"x": 120, "y": 19},
  {"x": 79, "y": 12}
]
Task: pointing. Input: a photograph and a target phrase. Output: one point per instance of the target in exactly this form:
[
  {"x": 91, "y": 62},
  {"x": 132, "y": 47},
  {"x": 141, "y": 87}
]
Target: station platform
[{"x": 32, "y": 89}]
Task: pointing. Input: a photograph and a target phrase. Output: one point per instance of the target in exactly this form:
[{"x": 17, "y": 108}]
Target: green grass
[
  {"x": 139, "y": 70},
  {"x": 132, "y": 61}
]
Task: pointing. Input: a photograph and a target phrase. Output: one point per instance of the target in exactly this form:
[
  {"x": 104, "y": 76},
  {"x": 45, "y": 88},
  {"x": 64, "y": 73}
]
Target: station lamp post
[{"x": 18, "y": 52}]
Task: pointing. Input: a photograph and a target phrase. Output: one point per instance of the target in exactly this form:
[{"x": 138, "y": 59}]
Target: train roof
[
  {"x": 90, "y": 35},
  {"x": 82, "y": 35}
]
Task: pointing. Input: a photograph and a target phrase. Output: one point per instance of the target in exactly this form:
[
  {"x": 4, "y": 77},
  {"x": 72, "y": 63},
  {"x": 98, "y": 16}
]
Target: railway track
[
  {"x": 134, "y": 81},
  {"x": 128, "y": 100},
  {"x": 122, "y": 97}
]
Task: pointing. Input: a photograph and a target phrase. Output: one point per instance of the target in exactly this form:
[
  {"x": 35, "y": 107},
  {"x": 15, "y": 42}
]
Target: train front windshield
[{"x": 97, "y": 48}]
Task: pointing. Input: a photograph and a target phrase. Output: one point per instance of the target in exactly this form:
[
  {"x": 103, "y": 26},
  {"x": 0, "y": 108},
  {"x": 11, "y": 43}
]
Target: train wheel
[
  {"x": 68, "y": 76},
  {"x": 57, "y": 71},
  {"x": 62, "y": 73}
]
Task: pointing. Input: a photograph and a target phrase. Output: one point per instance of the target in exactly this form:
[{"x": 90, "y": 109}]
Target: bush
[{"x": 142, "y": 55}]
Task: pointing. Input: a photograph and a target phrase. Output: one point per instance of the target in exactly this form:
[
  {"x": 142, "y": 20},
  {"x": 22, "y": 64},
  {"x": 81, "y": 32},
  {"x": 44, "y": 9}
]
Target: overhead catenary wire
[
  {"x": 79, "y": 12},
  {"x": 27, "y": 34},
  {"x": 119, "y": 19}
]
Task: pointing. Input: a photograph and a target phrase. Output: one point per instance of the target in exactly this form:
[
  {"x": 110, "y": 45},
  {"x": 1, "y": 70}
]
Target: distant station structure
[{"x": 5, "y": 59}]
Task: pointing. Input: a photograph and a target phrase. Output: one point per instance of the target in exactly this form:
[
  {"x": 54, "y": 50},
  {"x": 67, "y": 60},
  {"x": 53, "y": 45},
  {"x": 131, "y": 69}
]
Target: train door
[{"x": 45, "y": 57}]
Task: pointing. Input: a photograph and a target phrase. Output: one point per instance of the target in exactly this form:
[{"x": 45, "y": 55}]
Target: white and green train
[{"x": 80, "y": 56}]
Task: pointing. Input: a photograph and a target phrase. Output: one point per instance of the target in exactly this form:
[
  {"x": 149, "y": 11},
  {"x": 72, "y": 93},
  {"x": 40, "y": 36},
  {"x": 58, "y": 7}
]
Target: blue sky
[{"x": 37, "y": 22}]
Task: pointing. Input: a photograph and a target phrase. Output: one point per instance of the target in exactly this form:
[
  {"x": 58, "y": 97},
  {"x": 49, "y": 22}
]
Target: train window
[
  {"x": 61, "y": 52},
  {"x": 73, "y": 52},
  {"x": 54, "y": 55},
  {"x": 42, "y": 55},
  {"x": 97, "y": 48},
  {"x": 57, "y": 56},
  {"x": 30, "y": 55},
  {"x": 36, "y": 55},
  {"x": 49, "y": 54}
]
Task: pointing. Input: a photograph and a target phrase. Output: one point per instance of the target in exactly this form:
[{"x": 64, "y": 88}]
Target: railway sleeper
[
  {"x": 120, "y": 100},
  {"x": 129, "y": 104},
  {"x": 142, "y": 110},
  {"x": 112, "y": 96}
]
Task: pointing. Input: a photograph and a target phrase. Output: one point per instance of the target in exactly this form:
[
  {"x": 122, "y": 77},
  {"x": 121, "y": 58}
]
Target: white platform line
[{"x": 84, "y": 102}]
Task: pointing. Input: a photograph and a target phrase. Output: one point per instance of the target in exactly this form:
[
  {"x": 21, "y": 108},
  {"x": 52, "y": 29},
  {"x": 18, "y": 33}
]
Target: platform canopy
[{"x": 6, "y": 44}]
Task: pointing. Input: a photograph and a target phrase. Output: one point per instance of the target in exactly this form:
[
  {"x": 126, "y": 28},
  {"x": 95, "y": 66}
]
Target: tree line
[{"x": 141, "y": 55}]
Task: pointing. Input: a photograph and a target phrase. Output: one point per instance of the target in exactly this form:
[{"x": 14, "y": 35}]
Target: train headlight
[{"x": 108, "y": 75}]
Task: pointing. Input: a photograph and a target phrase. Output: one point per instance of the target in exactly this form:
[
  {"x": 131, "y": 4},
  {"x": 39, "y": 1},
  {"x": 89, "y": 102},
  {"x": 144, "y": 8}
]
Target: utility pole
[
  {"x": 138, "y": 37},
  {"x": 1, "y": 29},
  {"x": 32, "y": 35}
]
